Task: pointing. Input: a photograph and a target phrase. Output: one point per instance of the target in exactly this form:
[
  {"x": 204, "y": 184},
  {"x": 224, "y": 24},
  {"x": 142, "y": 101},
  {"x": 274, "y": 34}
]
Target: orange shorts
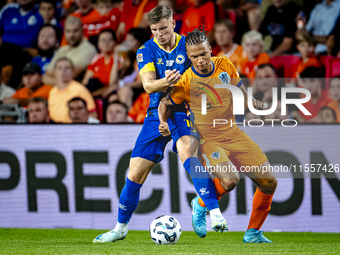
[{"x": 239, "y": 149}]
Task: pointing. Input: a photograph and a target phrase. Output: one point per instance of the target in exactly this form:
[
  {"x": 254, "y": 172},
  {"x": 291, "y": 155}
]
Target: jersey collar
[
  {"x": 178, "y": 38},
  {"x": 204, "y": 75}
]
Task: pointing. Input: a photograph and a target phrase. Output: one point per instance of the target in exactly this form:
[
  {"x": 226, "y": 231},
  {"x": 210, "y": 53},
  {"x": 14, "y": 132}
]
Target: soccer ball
[{"x": 165, "y": 229}]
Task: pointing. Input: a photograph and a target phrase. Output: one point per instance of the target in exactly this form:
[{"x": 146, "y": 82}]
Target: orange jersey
[
  {"x": 249, "y": 68},
  {"x": 100, "y": 69},
  {"x": 235, "y": 54},
  {"x": 139, "y": 108},
  {"x": 219, "y": 100},
  {"x": 324, "y": 100},
  {"x": 299, "y": 66},
  {"x": 336, "y": 107},
  {"x": 24, "y": 93},
  {"x": 86, "y": 19},
  {"x": 133, "y": 14}
]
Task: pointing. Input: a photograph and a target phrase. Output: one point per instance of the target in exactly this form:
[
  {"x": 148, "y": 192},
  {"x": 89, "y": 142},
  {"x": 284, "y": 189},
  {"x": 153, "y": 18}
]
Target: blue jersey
[
  {"x": 19, "y": 28},
  {"x": 42, "y": 62},
  {"x": 152, "y": 57}
]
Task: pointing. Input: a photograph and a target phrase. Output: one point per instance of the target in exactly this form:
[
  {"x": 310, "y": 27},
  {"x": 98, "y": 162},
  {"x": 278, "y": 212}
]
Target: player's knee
[
  {"x": 228, "y": 184},
  {"x": 268, "y": 186}
]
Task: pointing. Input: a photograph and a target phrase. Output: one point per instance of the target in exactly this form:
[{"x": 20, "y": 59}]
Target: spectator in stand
[
  {"x": 322, "y": 21},
  {"x": 65, "y": 90},
  {"x": 252, "y": 44},
  {"x": 98, "y": 74},
  {"x": 78, "y": 112},
  {"x": 19, "y": 26},
  {"x": 333, "y": 42},
  {"x": 326, "y": 115},
  {"x": 203, "y": 14},
  {"x": 38, "y": 111},
  {"x": 306, "y": 47},
  {"x": 135, "y": 15},
  {"x": 86, "y": 13},
  {"x": 34, "y": 87},
  {"x": 334, "y": 90},
  {"x": 48, "y": 43},
  {"x": 224, "y": 35},
  {"x": 5, "y": 91},
  {"x": 248, "y": 115},
  {"x": 129, "y": 86},
  {"x": 279, "y": 23},
  {"x": 312, "y": 78},
  {"x": 277, "y": 115},
  {"x": 116, "y": 112},
  {"x": 78, "y": 50},
  {"x": 47, "y": 10},
  {"x": 266, "y": 80},
  {"x": 137, "y": 112}
]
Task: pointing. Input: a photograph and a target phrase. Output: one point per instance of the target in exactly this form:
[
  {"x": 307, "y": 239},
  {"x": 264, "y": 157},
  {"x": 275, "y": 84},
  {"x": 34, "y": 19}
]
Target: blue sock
[
  {"x": 128, "y": 200},
  {"x": 202, "y": 181}
]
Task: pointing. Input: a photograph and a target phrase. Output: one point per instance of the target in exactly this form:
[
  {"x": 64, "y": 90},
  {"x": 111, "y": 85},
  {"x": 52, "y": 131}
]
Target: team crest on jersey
[
  {"x": 224, "y": 78},
  {"x": 180, "y": 59},
  {"x": 216, "y": 155},
  {"x": 140, "y": 57},
  {"x": 32, "y": 20},
  {"x": 160, "y": 61}
]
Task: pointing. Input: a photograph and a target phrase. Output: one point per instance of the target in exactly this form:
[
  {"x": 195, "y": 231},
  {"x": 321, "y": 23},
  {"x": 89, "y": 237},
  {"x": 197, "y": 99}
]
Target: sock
[
  {"x": 128, "y": 201},
  {"x": 202, "y": 182},
  {"x": 220, "y": 191},
  {"x": 260, "y": 210},
  {"x": 121, "y": 227},
  {"x": 215, "y": 213}
]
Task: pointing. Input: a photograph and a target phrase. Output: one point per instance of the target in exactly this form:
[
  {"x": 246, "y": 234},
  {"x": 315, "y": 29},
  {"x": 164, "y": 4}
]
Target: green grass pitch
[{"x": 71, "y": 241}]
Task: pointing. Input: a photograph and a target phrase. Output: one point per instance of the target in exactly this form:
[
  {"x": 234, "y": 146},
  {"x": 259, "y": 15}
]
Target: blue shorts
[{"x": 150, "y": 143}]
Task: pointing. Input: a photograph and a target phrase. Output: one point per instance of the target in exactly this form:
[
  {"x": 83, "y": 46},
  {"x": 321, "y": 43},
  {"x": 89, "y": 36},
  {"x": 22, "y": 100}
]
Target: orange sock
[
  {"x": 261, "y": 208},
  {"x": 219, "y": 191}
]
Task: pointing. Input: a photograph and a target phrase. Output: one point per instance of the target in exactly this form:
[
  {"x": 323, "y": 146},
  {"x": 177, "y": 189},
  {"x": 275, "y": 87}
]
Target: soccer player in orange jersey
[{"x": 224, "y": 146}]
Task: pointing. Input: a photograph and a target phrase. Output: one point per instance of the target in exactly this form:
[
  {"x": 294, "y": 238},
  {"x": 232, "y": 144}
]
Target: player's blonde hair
[{"x": 252, "y": 36}]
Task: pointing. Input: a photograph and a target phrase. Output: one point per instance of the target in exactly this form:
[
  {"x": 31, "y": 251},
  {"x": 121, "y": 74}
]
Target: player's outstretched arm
[
  {"x": 163, "y": 114},
  {"x": 153, "y": 85},
  {"x": 256, "y": 103}
]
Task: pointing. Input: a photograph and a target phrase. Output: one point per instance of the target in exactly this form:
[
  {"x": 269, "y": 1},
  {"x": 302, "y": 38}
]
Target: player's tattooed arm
[
  {"x": 256, "y": 103},
  {"x": 163, "y": 114},
  {"x": 153, "y": 85}
]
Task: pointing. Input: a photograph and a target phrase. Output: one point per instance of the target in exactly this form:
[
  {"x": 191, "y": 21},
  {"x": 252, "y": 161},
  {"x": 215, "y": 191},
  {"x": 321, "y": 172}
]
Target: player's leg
[
  {"x": 266, "y": 183},
  {"x": 250, "y": 159},
  {"x": 148, "y": 151}
]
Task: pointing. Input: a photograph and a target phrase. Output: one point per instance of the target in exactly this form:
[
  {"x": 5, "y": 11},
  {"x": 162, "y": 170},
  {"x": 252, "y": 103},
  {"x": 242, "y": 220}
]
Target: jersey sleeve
[
  {"x": 145, "y": 61},
  {"x": 234, "y": 75},
  {"x": 178, "y": 93}
]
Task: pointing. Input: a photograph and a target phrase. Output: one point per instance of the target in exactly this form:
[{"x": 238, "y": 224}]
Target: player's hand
[
  {"x": 164, "y": 129},
  {"x": 258, "y": 105},
  {"x": 172, "y": 76}
]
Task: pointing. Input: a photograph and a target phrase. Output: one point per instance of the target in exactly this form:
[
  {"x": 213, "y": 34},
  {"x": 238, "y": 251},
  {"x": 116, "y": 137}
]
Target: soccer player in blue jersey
[{"x": 161, "y": 61}]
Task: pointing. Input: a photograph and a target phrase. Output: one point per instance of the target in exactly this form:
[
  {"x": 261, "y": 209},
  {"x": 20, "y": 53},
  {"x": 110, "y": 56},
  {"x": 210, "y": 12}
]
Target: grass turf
[{"x": 61, "y": 241}]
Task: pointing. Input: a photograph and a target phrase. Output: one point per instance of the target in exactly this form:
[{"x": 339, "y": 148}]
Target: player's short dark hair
[
  {"x": 110, "y": 31},
  {"x": 158, "y": 13},
  {"x": 196, "y": 37},
  {"x": 228, "y": 23},
  {"x": 38, "y": 100},
  {"x": 57, "y": 31},
  {"x": 77, "y": 99},
  {"x": 328, "y": 108},
  {"x": 120, "y": 103},
  {"x": 271, "y": 66},
  {"x": 313, "y": 73}
]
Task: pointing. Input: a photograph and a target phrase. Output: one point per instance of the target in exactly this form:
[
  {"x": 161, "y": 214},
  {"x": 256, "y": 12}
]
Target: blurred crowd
[{"x": 74, "y": 61}]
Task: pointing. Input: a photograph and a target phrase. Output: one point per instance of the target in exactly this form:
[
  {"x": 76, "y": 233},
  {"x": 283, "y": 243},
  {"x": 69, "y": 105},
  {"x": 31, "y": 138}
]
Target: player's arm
[
  {"x": 256, "y": 103},
  {"x": 163, "y": 115},
  {"x": 153, "y": 85}
]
